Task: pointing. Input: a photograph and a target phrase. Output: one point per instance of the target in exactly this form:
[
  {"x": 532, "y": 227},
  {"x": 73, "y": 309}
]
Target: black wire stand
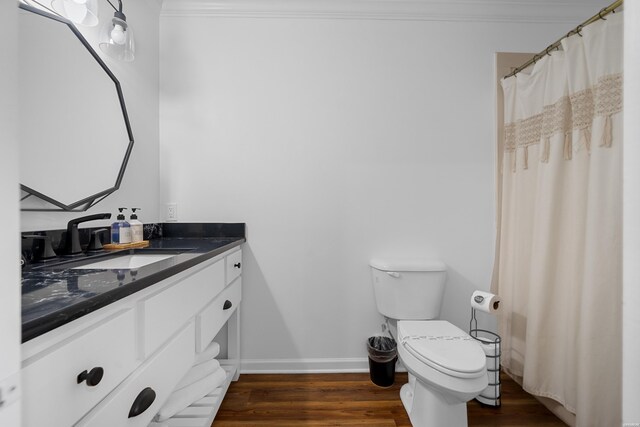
[{"x": 492, "y": 340}]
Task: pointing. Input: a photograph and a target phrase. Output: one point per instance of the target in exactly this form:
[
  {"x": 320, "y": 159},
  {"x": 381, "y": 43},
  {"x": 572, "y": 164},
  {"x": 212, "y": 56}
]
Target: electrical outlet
[{"x": 172, "y": 211}]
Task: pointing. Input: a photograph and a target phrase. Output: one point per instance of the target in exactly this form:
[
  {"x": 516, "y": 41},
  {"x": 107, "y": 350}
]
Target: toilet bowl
[{"x": 446, "y": 366}]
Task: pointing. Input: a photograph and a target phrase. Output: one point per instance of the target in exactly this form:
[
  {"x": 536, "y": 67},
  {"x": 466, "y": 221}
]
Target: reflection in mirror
[{"x": 75, "y": 138}]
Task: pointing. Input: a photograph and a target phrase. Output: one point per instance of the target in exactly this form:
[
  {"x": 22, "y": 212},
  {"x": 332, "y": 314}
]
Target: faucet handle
[
  {"x": 95, "y": 244},
  {"x": 46, "y": 250}
]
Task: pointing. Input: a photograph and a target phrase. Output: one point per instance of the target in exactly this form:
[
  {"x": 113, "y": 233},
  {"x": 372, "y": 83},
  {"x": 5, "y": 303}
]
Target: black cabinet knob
[
  {"x": 227, "y": 305},
  {"x": 237, "y": 265},
  {"x": 93, "y": 377},
  {"x": 144, "y": 399}
]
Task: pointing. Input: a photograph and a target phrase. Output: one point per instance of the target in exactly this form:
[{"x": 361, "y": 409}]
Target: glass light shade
[
  {"x": 116, "y": 40},
  {"x": 81, "y": 12}
]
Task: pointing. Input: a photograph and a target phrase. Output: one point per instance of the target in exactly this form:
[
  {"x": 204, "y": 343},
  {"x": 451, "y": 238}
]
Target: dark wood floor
[{"x": 352, "y": 400}]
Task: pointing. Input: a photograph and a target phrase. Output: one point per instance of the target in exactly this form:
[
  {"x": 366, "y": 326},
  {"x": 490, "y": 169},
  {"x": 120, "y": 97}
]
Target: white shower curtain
[{"x": 559, "y": 268}]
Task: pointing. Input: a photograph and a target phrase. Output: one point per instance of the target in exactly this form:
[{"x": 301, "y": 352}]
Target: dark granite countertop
[{"x": 54, "y": 294}]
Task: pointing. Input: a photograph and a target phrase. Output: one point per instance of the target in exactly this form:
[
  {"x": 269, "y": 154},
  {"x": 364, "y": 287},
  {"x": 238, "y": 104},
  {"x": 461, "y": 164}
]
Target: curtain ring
[
  {"x": 547, "y": 50},
  {"x": 578, "y": 29},
  {"x": 600, "y": 14}
]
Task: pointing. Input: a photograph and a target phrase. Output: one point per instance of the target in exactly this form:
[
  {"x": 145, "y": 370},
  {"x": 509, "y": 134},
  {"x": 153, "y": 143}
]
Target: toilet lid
[{"x": 443, "y": 346}]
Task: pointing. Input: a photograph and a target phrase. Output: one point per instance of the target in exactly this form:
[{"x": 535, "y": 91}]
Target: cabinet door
[
  {"x": 56, "y": 394},
  {"x": 152, "y": 383},
  {"x": 166, "y": 312}
]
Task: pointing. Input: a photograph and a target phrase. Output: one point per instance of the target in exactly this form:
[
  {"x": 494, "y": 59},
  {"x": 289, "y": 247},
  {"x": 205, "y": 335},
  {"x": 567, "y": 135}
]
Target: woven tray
[{"x": 114, "y": 246}]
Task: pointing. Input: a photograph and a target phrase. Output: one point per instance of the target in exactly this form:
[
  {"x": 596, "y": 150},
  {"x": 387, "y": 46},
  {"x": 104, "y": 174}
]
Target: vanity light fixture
[
  {"x": 81, "y": 12},
  {"x": 116, "y": 36}
]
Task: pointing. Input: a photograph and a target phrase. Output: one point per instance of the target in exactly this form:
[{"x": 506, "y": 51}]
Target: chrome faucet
[{"x": 72, "y": 240}]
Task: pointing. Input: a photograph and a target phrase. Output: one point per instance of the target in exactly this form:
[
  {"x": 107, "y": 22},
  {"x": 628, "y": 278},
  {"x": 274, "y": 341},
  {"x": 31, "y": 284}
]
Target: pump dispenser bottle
[
  {"x": 136, "y": 226},
  {"x": 120, "y": 229}
]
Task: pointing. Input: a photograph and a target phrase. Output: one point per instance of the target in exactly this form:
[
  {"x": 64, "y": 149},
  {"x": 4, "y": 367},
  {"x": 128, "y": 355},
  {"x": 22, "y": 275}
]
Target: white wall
[
  {"x": 631, "y": 291},
  {"x": 9, "y": 217},
  {"x": 139, "y": 81},
  {"x": 335, "y": 141}
]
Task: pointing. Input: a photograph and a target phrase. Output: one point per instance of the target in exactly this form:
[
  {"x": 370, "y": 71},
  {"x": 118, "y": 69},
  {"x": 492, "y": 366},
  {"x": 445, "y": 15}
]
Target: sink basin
[{"x": 125, "y": 262}]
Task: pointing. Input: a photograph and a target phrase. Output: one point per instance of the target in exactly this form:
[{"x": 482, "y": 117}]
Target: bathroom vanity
[{"x": 105, "y": 342}]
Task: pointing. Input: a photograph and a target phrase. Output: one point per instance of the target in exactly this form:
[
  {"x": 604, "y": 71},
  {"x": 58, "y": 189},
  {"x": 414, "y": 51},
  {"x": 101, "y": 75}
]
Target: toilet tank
[{"x": 408, "y": 289}]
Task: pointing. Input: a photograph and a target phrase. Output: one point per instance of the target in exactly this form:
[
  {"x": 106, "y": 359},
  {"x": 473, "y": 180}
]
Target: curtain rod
[{"x": 556, "y": 45}]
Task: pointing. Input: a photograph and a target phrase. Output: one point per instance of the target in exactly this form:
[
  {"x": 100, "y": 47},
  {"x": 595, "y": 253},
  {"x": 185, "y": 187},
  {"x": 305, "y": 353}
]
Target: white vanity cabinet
[
  {"x": 53, "y": 393},
  {"x": 167, "y": 310},
  {"x": 89, "y": 372},
  {"x": 153, "y": 382}
]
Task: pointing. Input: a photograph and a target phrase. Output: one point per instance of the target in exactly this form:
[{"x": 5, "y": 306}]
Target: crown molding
[{"x": 519, "y": 11}]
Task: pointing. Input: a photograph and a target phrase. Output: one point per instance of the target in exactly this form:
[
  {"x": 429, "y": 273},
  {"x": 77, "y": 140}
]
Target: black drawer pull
[
  {"x": 227, "y": 305},
  {"x": 237, "y": 265},
  {"x": 142, "y": 402},
  {"x": 93, "y": 377}
]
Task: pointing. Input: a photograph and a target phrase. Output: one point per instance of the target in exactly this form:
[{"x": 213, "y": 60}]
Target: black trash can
[{"x": 383, "y": 354}]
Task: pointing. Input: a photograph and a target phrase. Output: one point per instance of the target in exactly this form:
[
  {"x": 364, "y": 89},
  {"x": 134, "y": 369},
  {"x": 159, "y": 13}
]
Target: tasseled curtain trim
[
  {"x": 568, "y": 146},
  {"x": 586, "y": 139},
  {"x": 574, "y": 113},
  {"x": 607, "y": 135},
  {"x": 546, "y": 147}
]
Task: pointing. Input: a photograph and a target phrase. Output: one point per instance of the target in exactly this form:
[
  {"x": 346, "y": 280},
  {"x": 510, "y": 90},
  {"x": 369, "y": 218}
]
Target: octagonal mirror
[{"x": 75, "y": 137}]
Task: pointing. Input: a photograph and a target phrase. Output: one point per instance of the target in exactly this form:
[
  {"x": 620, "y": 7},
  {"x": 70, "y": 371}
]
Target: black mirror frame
[{"x": 87, "y": 202}]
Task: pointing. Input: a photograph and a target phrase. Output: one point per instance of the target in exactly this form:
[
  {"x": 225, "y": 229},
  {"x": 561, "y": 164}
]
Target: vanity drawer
[
  {"x": 214, "y": 316},
  {"x": 165, "y": 312},
  {"x": 156, "y": 379},
  {"x": 52, "y": 394},
  {"x": 234, "y": 265}
]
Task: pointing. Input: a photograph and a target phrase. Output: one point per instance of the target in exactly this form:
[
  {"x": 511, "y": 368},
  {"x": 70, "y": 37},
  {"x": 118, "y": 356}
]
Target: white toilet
[{"x": 446, "y": 366}]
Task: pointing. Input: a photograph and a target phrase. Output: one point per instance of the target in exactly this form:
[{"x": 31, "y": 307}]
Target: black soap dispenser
[{"x": 120, "y": 229}]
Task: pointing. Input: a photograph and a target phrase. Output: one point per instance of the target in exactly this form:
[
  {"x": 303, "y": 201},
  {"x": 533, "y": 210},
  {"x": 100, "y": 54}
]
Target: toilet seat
[{"x": 443, "y": 347}]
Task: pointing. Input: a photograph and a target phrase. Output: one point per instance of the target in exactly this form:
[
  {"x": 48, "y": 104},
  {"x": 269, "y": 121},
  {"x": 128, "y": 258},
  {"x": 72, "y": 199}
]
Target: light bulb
[
  {"x": 117, "y": 34},
  {"x": 116, "y": 38}
]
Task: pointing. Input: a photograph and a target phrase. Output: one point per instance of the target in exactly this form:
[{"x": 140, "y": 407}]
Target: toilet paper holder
[{"x": 490, "y": 342}]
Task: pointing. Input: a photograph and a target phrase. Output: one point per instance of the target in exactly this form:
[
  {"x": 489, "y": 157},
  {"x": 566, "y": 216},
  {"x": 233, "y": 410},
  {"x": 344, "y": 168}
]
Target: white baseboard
[
  {"x": 300, "y": 366},
  {"x": 307, "y": 366}
]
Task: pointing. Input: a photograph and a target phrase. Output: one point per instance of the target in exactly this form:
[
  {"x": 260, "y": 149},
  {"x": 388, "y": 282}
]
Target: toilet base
[{"x": 427, "y": 407}]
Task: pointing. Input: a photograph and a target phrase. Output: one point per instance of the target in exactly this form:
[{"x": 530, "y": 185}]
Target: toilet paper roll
[
  {"x": 489, "y": 347},
  {"x": 493, "y": 364},
  {"x": 493, "y": 378},
  {"x": 491, "y": 394},
  {"x": 493, "y": 390},
  {"x": 485, "y": 301},
  {"x": 488, "y": 402}
]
